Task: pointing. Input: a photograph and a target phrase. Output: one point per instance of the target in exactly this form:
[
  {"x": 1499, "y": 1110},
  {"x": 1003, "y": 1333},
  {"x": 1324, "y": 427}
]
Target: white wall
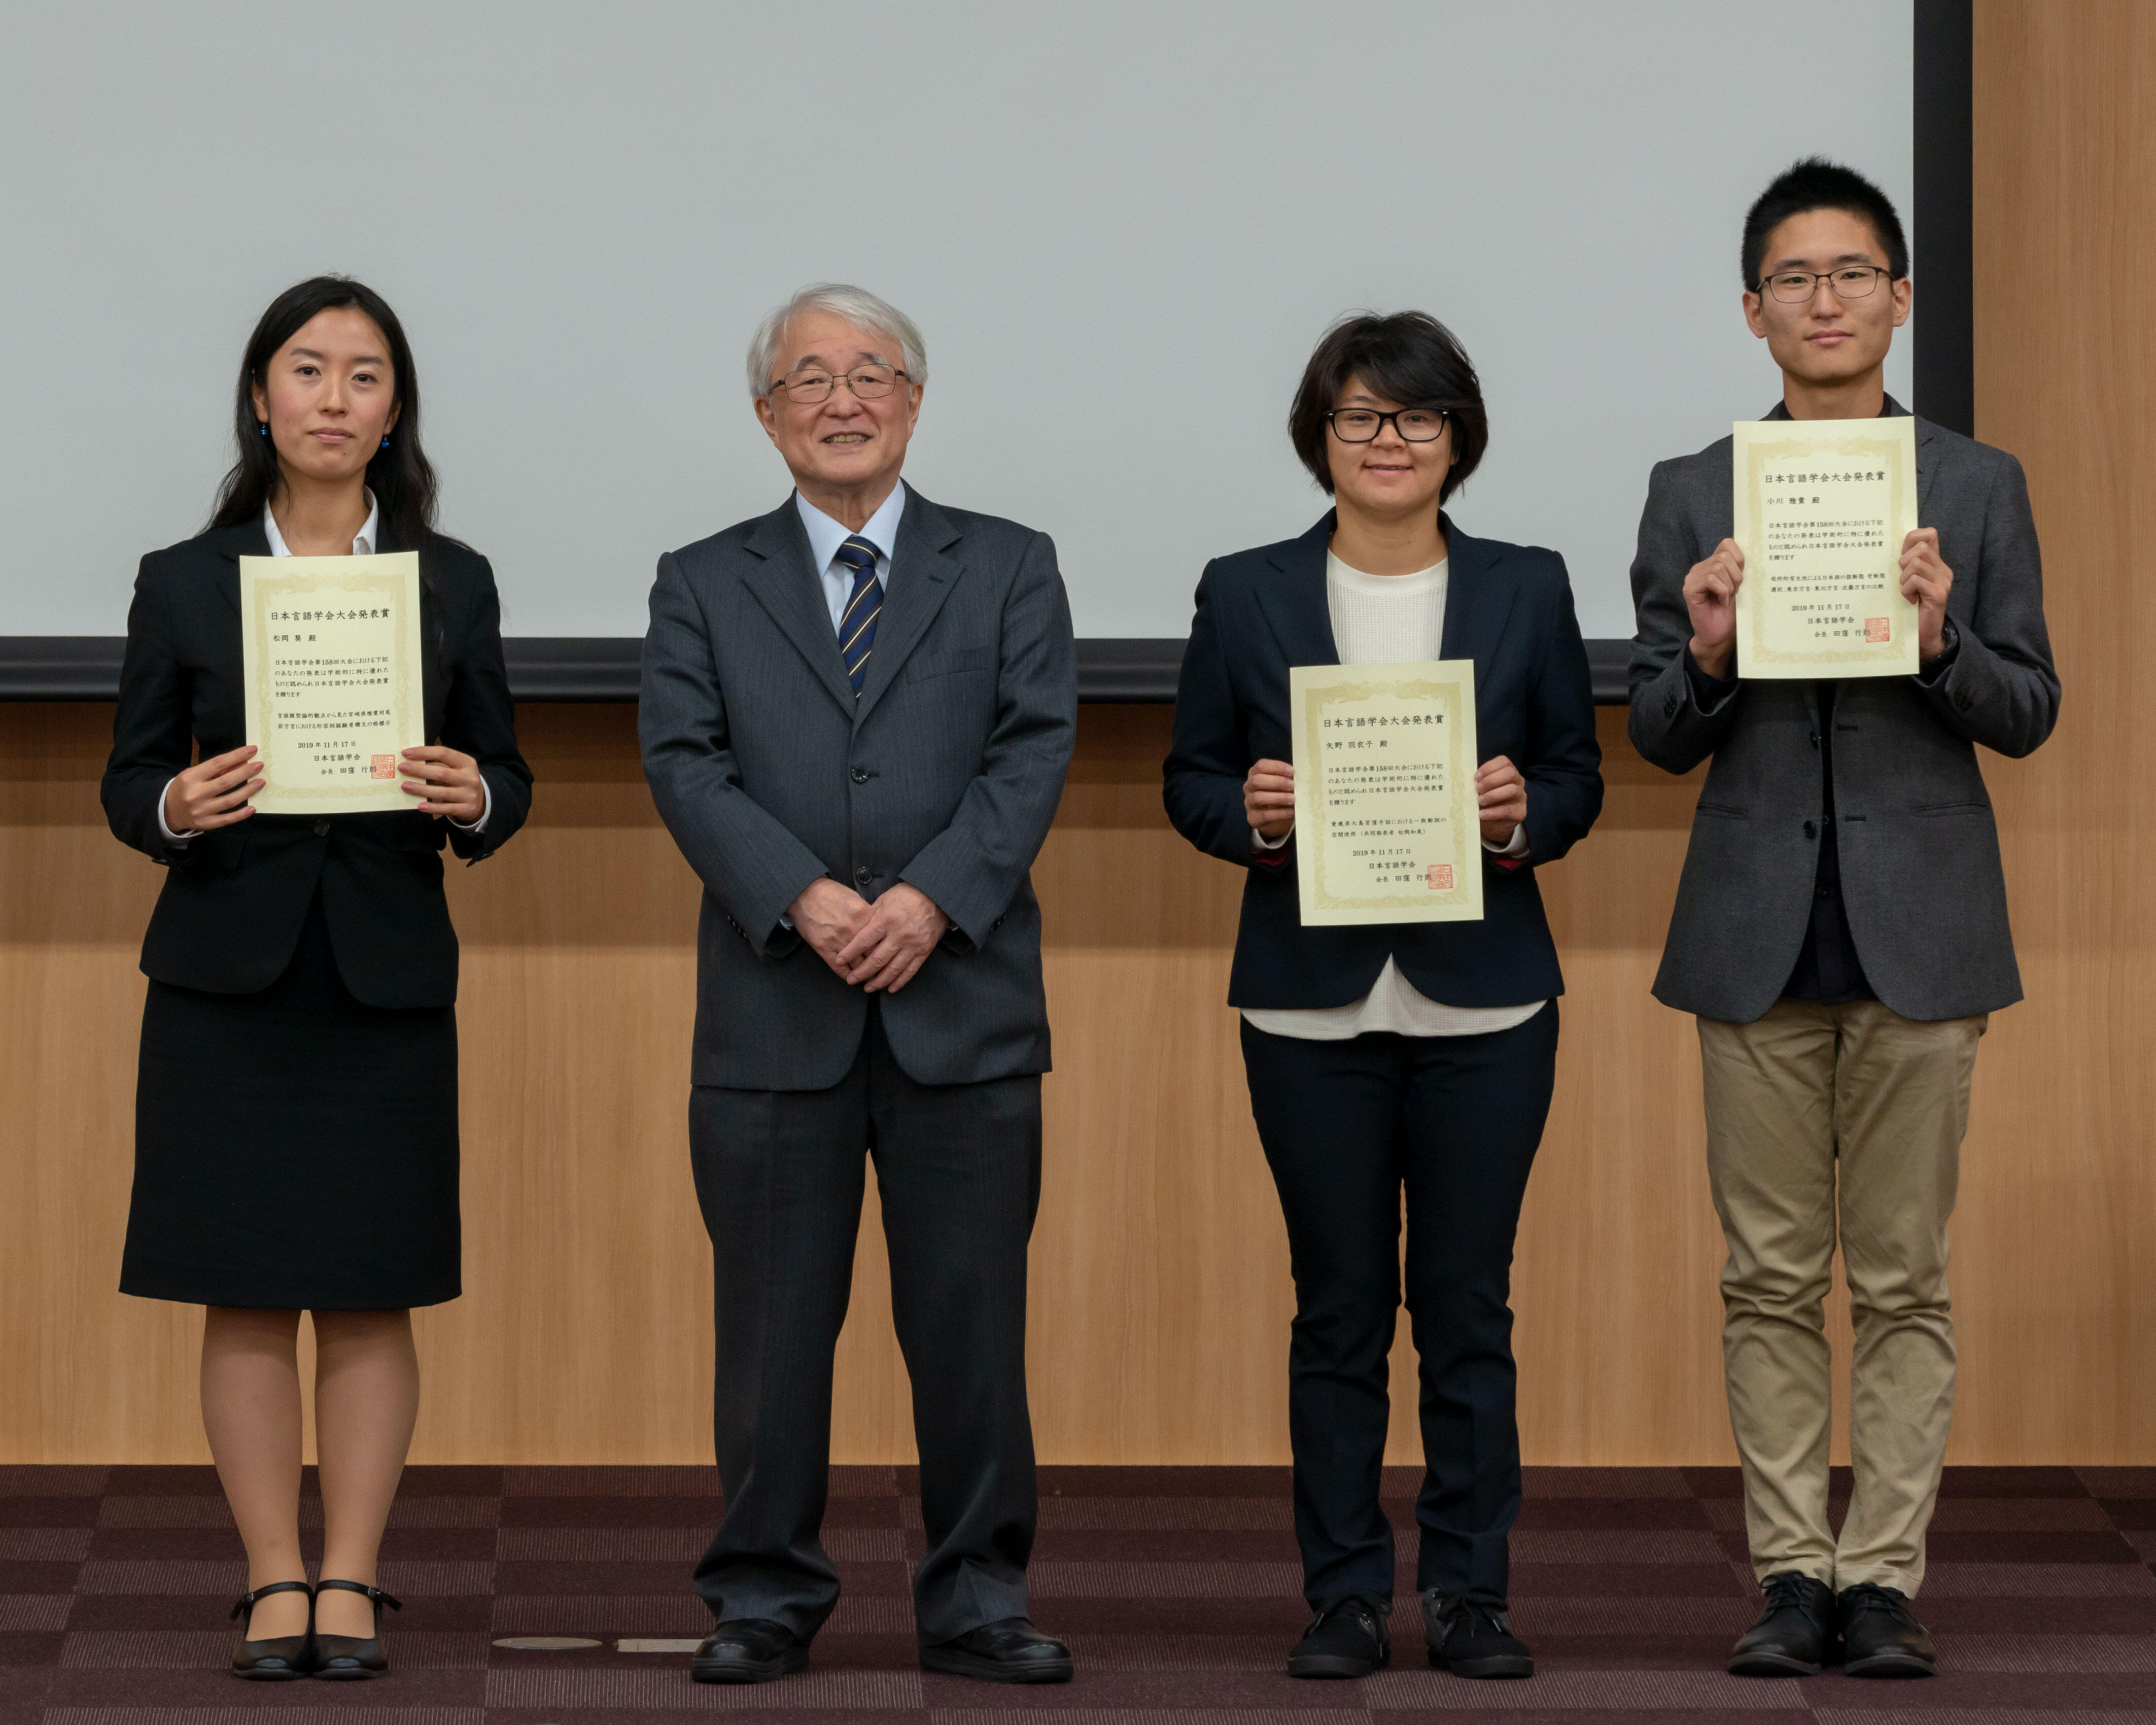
[{"x": 1122, "y": 225}]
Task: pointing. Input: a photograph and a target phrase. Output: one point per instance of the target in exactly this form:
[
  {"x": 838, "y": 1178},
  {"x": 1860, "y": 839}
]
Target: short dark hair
[
  {"x": 1407, "y": 356},
  {"x": 1816, "y": 183}
]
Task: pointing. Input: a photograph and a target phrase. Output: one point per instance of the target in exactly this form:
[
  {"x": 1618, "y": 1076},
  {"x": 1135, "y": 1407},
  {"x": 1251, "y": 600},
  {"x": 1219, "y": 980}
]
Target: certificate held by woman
[
  {"x": 1385, "y": 782},
  {"x": 333, "y": 678}
]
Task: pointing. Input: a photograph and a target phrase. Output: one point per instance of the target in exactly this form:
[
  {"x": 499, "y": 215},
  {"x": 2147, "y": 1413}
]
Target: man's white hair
[{"x": 858, "y": 306}]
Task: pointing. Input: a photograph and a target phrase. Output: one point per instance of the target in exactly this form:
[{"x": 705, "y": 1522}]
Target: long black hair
[{"x": 400, "y": 476}]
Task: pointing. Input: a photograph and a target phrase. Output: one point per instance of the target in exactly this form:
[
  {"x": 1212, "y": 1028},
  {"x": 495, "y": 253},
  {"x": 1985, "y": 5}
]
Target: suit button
[
  {"x": 1811, "y": 830},
  {"x": 863, "y": 875},
  {"x": 860, "y": 776},
  {"x": 321, "y": 830}
]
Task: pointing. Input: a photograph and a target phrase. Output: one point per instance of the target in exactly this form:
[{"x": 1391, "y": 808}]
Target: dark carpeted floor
[{"x": 1177, "y": 1588}]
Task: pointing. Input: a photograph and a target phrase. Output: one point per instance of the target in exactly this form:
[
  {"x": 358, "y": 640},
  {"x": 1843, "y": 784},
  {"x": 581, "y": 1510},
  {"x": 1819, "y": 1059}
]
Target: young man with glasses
[{"x": 1841, "y": 933}]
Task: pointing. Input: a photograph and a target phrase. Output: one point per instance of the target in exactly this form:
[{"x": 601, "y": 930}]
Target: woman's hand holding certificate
[{"x": 448, "y": 779}]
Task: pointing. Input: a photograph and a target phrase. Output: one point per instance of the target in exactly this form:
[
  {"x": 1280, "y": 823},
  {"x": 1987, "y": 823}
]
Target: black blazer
[
  {"x": 236, "y": 897},
  {"x": 1506, "y": 607}
]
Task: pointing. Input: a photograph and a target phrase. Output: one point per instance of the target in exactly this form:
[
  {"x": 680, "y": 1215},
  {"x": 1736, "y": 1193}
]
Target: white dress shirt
[
  {"x": 1386, "y": 620},
  {"x": 826, "y": 536},
  {"x": 362, "y": 545}
]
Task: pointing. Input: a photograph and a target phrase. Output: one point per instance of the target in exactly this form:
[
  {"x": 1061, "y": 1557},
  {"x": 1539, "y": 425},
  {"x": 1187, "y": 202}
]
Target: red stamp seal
[
  {"x": 1441, "y": 877},
  {"x": 1878, "y": 629},
  {"x": 385, "y": 766}
]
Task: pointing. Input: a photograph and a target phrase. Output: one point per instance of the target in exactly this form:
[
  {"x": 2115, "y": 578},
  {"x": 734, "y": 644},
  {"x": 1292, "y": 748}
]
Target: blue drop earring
[
  {"x": 262, "y": 428},
  {"x": 385, "y": 442}
]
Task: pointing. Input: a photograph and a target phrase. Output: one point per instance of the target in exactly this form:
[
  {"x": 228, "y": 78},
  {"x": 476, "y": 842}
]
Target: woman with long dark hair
[
  {"x": 1394, "y": 1067},
  {"x": 296, "y": 1134}
]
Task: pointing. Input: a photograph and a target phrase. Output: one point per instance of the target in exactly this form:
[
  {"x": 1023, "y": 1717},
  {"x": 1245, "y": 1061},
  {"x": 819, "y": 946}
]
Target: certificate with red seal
[
  {"x": 1386, "y": 820},
  {"x": 1822, "y": 509},
  {"x": 334, "y": 690}
]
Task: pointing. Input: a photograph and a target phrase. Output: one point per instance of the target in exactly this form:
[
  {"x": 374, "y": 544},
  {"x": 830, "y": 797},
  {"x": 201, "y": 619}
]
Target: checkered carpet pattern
[{"x": 1177, "y": 1589}]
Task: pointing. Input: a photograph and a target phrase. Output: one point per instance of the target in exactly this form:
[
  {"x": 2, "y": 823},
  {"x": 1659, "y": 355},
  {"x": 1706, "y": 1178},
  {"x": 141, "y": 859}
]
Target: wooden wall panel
[
  {"x": 1160, "y": 1295},
  {"x": 2056, "y": 1266}
]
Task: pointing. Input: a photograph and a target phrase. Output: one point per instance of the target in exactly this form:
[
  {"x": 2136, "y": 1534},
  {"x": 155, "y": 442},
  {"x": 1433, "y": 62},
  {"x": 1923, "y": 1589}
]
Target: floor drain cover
[{"x": 545, "y": 1644}]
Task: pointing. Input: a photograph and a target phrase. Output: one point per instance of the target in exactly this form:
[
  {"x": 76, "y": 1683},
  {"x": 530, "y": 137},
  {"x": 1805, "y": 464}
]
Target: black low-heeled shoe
[
  {"x": 281, "y": 1658},
  {"x": 351, "y": 1658}
]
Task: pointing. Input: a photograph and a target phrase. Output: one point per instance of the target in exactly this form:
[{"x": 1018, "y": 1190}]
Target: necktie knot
[{"x": 857, "y": 627}]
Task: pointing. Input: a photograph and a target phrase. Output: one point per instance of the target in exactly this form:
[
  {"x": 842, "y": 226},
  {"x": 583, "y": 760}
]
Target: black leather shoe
[
  {"x": 1792, "y": 1634},
  {"x": 1881, "y": 1636},
  {"x": 1471, "y": 1636},
  {"x": 1009, "y": 1651},
  {"x": 281, "y": 1658},
  {"x": 1348, "y": 1640},
  {"x": 352, "y": 1659},
  {"x": 748, "y": 1650}
]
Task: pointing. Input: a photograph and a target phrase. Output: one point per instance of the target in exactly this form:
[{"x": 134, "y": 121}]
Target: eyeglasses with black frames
[
  {"x": 1849, "y": 281},
  {"x": 1361, "y": 425},
  {"x": 868, "y": 383}
]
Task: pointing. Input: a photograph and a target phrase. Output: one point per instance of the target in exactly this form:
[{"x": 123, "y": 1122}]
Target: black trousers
[
  {"x": 1455, "y": 1121},
  {"x": 780, "y": 1176}
]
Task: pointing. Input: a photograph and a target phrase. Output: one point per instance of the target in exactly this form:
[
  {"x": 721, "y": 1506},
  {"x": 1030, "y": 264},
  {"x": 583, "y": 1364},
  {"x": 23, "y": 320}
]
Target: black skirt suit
[
  {"x": 1349, "y": 1126},
  {"x": 296, "y": 1104}
]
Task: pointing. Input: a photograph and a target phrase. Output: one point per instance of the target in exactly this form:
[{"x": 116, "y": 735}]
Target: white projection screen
[{"x": 1122, "y": 225}]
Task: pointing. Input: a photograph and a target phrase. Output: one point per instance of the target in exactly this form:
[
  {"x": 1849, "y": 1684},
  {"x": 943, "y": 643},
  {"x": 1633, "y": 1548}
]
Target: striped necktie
[{"x": 857, "y": 628}]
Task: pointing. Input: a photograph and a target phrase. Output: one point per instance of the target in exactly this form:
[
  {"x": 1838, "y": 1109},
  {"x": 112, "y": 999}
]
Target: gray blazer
[
  {"x": 1919, "y": 852},
  {"x": 944, "y": 773}
]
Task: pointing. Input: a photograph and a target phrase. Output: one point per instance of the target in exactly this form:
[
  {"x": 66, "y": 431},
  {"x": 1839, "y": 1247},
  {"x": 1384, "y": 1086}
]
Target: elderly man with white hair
[{"x": 857, "y": 714}]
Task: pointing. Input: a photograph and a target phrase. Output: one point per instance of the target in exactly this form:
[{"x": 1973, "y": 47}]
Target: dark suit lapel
[
  {"x": 1927, "y": 463},
  {"x": 1294, "y": 603},
  {"x": 786, "y": 585},
  {"x": 921, "y": 578},
  {"x": 232, "y": 544},
  {"x": 1478, "y": 601}
]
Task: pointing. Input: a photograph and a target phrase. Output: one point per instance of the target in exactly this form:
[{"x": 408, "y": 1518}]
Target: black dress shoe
[
  {"x": 1009, "y": 1651},
  {"x": 352, "y": 1659},
  {"x": 281, "y": 1658},
  {"x": 1881, "y": 1636},
  {"x": 1792, "y": 1634},
  {"x": 747, "y": 1649},
  {"x": 1348, "y": 1640},
  {"x": 1469, "y": 1635}
]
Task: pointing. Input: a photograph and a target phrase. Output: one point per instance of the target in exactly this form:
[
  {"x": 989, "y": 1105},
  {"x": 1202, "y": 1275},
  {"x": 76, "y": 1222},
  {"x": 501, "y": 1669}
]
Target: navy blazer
[
  {"x": 1506, "y": 607},
  {"x": 236, "y": 897}
]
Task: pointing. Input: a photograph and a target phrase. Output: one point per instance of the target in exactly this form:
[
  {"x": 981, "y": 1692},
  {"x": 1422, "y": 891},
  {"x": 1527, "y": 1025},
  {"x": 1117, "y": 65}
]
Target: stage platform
[{"x": 1177, "y": 1588}]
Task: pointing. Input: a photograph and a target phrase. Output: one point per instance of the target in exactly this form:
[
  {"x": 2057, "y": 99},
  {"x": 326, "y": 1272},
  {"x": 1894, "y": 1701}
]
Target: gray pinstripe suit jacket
[
  {"x": 944, "y": 773},
  {"x": 1921, "y": 877}
]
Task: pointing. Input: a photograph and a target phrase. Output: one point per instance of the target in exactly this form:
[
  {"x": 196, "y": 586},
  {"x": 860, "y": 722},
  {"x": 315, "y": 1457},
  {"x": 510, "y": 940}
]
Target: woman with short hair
[
  {"x": 295, "y": 1119},
  {"x": 1417, "y": 1056}
]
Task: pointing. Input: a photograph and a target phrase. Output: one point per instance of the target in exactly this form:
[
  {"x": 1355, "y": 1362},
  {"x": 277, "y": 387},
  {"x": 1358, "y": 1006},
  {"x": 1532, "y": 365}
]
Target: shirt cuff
[
  {"x": 1259, "y": 840},
  {"x": 164, "y": 831},
  {"x": 485, "y": 813},
  {"x": 1516, "y": 845}
]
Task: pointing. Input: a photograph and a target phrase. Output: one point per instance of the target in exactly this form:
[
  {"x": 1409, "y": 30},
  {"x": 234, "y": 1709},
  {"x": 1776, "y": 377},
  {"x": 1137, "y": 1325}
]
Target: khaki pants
[{"x": 1847, "y": 1121}]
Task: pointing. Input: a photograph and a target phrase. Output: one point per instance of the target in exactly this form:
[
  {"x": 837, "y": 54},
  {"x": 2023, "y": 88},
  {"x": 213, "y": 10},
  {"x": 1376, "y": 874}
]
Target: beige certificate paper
[
  {"x": 1822, "y": 508},
  {"x": 1385, "y": 821},
  {"x": 331, "y": 650}
]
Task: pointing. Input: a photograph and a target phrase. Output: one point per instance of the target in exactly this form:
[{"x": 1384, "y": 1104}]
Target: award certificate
[
  {"x": 332, "y": 657},
  {"x": 1385, "y": 814},
  {"x": 1822, "y": 508}
]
